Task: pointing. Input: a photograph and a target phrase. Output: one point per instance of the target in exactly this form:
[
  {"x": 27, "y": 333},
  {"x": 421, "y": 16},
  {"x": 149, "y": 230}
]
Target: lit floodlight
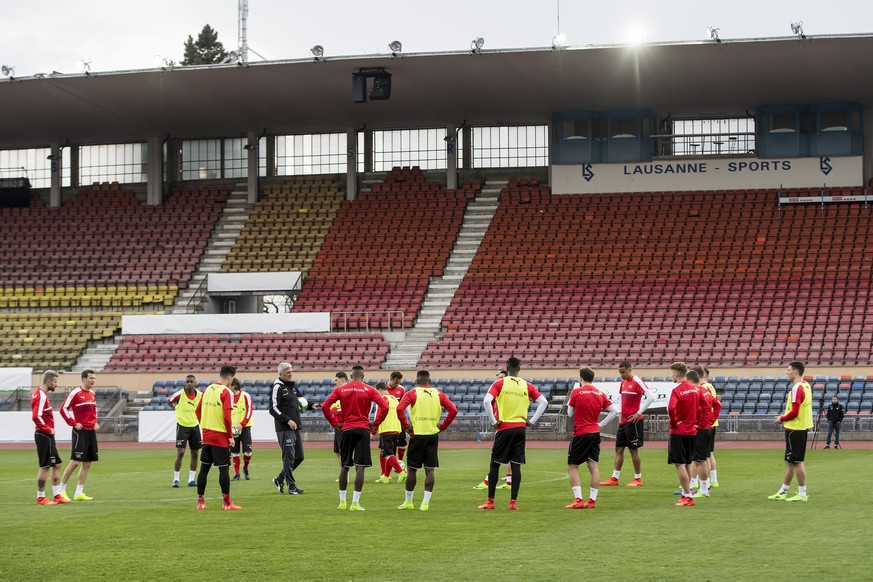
[
  {"x": 476, "y": 44},
  {"x": 797, "y": 28},
  {"x": 635, "y": 35},
  {"x": 396, "y": 47},
  {"x": 317, "y": 51},
  {"x": 712, "y": 33},
  {"x": 558, "y": 40}
]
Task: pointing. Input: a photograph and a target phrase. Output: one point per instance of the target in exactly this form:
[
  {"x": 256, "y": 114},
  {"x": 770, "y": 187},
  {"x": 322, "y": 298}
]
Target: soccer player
[
  {"x": 425, "y": 404},
  {"x": 79, "y": 410},
  {"x": 513, "y": 396},
  {"x": 709, "y": 407},
  {"x": 44, "y": 436},
  {"x": 356, "y": 398},
  {"x": 713, "y": 466},
  {"x": 214, "y": 413},
  {"x": 395, "y": 388},
  {"x": 388, "y": 431},
  {"x": 242, "y": 416},
  {"x": 340, "y": 379},
  {"x": 507, "y": 481},
  {"x": 184, "y": 402},
  {"x": 796, "y": 421},
  {"x": 631, "y": 425},
  {"x": 683, "y": 410},
  {"x": 285, "y": 409},
  {"x": 584, "y": 406}
]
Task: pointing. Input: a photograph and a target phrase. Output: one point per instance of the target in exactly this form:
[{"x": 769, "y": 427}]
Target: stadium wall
[{"x": 141, "y": 381}]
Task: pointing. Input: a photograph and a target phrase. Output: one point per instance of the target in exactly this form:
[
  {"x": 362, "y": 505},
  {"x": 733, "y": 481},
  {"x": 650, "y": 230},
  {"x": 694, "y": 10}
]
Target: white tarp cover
[
  {"x": 252, "y": 282},
  {"x": 221, "y": 323},
  {"x": 12, "y": 378}
]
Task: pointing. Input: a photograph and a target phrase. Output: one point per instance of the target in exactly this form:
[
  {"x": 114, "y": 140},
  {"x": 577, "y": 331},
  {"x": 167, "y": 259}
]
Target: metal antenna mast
[{"x": 241, "y": 55}]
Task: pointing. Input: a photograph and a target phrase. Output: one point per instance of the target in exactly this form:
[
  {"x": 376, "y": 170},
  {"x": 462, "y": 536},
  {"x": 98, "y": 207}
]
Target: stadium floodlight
[
  {"x": 396, "y": 47},
  {"x": 476, "y": 44},
  {"x": 797, "y": 28},
  {"x": 8, "y": 71},
  {"x": 317, "y": 51},
  {"x": 85, "y": 67},
  {"x": 558, "y": 40},
  {"x": 712, "y": 33}
]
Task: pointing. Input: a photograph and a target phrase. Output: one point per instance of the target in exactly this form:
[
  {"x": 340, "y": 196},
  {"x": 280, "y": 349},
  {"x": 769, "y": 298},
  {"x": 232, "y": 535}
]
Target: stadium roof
[{"x": 495, "y": 87}]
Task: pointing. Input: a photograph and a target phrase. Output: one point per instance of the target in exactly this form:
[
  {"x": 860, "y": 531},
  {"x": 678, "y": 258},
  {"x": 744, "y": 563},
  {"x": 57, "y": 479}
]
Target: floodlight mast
[{"x": 241, "y": 55}]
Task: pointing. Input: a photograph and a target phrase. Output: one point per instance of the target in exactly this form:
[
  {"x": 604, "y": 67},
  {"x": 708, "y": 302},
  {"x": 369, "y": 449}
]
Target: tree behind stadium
[{"x": 206, "y": 50}]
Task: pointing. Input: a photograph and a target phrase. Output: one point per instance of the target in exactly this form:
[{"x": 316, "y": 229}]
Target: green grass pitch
[{"x": 139, "y": 528}]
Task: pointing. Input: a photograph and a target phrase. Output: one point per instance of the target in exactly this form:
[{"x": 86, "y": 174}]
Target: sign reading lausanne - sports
[{"x": 715, "y": 173}]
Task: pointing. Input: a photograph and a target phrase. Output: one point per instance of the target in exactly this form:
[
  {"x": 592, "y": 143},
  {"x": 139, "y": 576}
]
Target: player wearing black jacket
[
  {"x": 285, "y": 409},
  {"x": 835, "y": 414}
]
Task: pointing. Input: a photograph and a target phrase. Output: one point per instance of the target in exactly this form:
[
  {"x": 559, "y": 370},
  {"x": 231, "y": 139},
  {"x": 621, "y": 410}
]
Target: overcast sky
[{"x": 53, "y": 35}]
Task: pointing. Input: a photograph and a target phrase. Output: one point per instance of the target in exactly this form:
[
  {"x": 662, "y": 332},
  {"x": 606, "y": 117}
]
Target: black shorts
[
  {"x": 46, "y": 450},
  {"x": 388, "y": 445},
  {"x": 703, "y": 444},
  {"x": 188, "y": 435},
  {"x": 631, "y": 434},
  {"x": 509, "y": 446},
  {"x": 84, "y": 446},
  {"x": 584, "y": 448},
  {"x": 401, "y": 440},
  {"x": 244, "y": 439},
  {"x": 215, "y": 455},
  {"x": 355, "y": 448},
  {"x": 680, "y": 449},
  {"x": 423, "y": 451},
  {"x": 795, "y": 446},
  {"x": 712, "y": 443},
  {"x": 336, "y": 438}
]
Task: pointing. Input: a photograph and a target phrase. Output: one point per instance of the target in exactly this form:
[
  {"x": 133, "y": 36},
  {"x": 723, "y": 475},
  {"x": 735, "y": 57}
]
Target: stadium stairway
[
  {"x": 406, "y": 352},
  {"x": 231, "y": 222},
  {"x": 97, "y": 356}
]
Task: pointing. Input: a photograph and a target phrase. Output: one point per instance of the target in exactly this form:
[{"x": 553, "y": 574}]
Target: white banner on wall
[
  {"x": 714, "y": 173},
  {"x": 17, "y": 427},
  {"x": 214, "y": 323}
]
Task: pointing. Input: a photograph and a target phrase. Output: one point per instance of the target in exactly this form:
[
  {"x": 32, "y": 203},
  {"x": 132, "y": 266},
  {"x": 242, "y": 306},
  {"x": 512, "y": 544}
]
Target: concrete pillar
[
  {"x": 867, "y": 147},
  {"x": 154, "y": 171},
  {"x": 351, "y": 164},
  {"x": 74, "y": 166},
  {"x": 467, "y": 153},
  {"x": 57, "y": 167},
  {"x": 451, "y": 141},
  {"x": 252, "y": 182}
]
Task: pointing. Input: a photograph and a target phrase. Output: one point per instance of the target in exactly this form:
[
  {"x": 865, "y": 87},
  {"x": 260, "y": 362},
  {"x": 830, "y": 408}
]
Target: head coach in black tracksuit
[{"x": 285, "y": 409}]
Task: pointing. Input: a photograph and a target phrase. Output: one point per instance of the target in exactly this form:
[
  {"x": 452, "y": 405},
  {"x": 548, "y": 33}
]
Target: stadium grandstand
[{"x": 569, "y": 206}]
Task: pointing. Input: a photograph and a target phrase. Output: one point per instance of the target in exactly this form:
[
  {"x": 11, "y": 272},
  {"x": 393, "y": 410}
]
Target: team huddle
[{"x": 222, "y": 413}]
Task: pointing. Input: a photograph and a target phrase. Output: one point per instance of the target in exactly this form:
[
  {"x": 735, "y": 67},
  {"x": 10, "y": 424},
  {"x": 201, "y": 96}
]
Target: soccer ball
[
  {"x": 303, "y": 403},
  {"x": 236, "y": 429}
]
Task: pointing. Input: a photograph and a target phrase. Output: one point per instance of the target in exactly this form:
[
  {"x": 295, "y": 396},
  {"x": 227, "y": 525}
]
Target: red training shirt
[
  {"x": 397, "y": 392},
  {"x": 587, "y": 402},
  {"x": 632, "y": 392},
  {"x": 42, "y": 411},
  {"x": 213, "y": 437},
  {"x": 355, "y": 399},
  {"x": 684, "y": 409},
  {"x": 80, "y": 407},
  {"x": 248, "y": 417},
  {"x": 709, "y": 408}
]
